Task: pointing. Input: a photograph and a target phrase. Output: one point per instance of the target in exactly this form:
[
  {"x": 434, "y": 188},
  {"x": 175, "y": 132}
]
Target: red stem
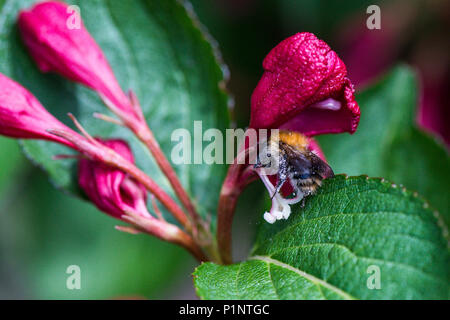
[
  {"x": 147, "y": 137},
  {"x": 154, "y": 189},
  {"x": 138, "y": 124},
  {"x": 167, "y": 232},
  {"x": 99, "y": 152},
  {"x": 238, "y": 177}
]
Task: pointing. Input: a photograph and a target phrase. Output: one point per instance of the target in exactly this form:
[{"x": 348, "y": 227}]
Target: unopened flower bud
[
  {"x": 71, "y": 52},
  {"x": 110, "y": 189},
  {"x": 22, "y": 116}
]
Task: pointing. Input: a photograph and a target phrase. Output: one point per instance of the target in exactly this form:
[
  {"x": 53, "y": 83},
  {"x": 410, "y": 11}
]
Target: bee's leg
[
  {"x": 302, "y": 204},
  {"x": 280, "y": 183},
  {"x": 282, "y": 175},
  {"x": 258, "y": 163}
]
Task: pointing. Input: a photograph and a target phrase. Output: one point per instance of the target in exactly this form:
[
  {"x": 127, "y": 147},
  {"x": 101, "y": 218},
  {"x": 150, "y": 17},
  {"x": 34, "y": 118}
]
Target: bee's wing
[
  {"x": 306, "y": 163},
  {"x": 321, "y": 167},
  {"x": 300, "y": 164}
]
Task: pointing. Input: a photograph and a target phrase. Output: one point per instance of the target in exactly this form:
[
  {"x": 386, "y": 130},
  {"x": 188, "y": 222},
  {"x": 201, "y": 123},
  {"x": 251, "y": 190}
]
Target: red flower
[
  {"x": 22, "y": 116},
  {"x": 110, "y": 189},
  {"x": 304, "y": 88},
  {"x": 70, "y": 52}
]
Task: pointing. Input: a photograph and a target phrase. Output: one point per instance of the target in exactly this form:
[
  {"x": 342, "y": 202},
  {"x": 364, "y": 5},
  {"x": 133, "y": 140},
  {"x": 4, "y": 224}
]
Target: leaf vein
[
  {"x": 434, "y": 278},
  {"x": 304, "y": 275}
]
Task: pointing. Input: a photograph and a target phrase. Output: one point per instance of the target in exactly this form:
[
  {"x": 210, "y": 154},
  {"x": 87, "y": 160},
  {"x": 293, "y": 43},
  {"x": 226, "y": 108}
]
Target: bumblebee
[{"x": 288, "y": 154}]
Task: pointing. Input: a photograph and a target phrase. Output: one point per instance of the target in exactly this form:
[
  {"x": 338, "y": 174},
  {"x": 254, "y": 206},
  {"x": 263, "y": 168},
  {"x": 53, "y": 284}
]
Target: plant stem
[
  {"x": 196, "y": 226},
  {"x": 238, "y": 177},
  {"x": 96, "y": 151},
  {"x": 187, "y": 242},
  {"x": 147, "y": 137},
  {"x": 167, "y": 232},
  {"x": 137, "y": 123},
  {"x": 154, "y": 189}
]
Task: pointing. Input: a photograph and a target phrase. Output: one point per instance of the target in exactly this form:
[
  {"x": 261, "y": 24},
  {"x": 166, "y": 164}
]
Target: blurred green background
[{"x": 43, "y": 231}]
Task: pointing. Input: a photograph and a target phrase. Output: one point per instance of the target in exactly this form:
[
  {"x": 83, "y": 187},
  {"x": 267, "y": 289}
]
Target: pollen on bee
[{"x": 294, "y": 139}]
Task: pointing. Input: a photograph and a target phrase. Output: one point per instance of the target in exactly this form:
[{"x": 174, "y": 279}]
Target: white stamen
[
  {"x": 269, "y": 218},
  {"x": 298, "y": 197},
  {"x": 277, "y": 213},
  {"x": 267, "y": 183},
  {"x": 286, "y": 212},
  {"x": 280, "y": 206},
  {"x": 328, "y": 104}
]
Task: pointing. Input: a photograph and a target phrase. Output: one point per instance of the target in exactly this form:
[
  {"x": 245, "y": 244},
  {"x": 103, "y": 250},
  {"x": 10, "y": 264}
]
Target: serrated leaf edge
[
  {"x": 425, "y": 204},
  {"x": 215, "y": 50}
]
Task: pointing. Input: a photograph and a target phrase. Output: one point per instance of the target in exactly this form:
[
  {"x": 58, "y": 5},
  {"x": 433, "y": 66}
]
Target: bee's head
[{"x": 268, "y": 159}]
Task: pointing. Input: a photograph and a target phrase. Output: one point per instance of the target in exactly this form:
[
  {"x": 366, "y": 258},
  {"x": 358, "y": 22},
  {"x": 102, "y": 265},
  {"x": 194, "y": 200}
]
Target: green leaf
[
  {"x": 11, "y": 163},
  {"x": 388, "y": 144},
  {"x": 42, "y": 233},
  {"x": 155, "y": 48},
  {"x": 327, "y": 249}
]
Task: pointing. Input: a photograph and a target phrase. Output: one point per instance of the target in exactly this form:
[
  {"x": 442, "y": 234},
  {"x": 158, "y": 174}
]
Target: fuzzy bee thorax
[{"x": 294, "y": 139}]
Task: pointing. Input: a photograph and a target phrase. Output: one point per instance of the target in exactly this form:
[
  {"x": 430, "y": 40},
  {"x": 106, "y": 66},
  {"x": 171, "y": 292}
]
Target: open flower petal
[{"x": 304, "y": 88}]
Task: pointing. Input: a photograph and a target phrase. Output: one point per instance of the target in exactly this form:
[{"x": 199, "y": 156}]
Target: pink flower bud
[
  {"x": 22, "y": 116},
  {"x": 71, "y": 52},
  {"x": 304, "y": 88},
  {"x": 111, "y": 190}
]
